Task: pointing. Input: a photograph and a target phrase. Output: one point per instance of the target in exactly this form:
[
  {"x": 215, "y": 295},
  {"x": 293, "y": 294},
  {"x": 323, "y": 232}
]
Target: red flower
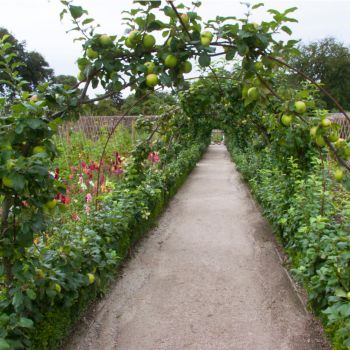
[
  {"x": 62, "y": 198},
  {"x": 57, "y": 173},
  {"x": 118, "y": 158}
]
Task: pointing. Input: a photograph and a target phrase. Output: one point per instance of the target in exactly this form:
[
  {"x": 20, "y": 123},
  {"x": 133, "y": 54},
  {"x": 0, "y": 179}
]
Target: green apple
[
  {"x": 185, "y": 19},
  {"x": 253, "y": 93},
  {"x": 207, "y": 34},
  {"x": 347, "y": 151},
  {"x": 205, "y": 41},
  {"x": 81, "y": 76},
  {"x": 340, "y": 143},
  {"x": 151, "y": 80},
  {"x": 91, "y": 53},
  {"x": 170, "y": 61},
  {"x": 117, "y": 52},
  {"x": 286, "y": 119},
  {"x": 258, "y": 65},
  {"x": 51, "y": 204},
  {"x": 333, "y": 137},
  {"x": 38, "y": 149},
  {"x": 313, "y": 131},
  {"x": 187, "y": 67},
  {"x": 130, "y": 43},
  {"x": 82, "y": 63},
  {"x": 168, "y": 43},
  {"x": 300, "y": 107},
  {"x": 7, "y": 182},
  {"x": 348, "y": 295},
  {"x": 134, "y": 36},
  {"x": 6, "y": 147},
  {"x": 149, "y": 41},
  {"x": 320, "y": 140},
  {"x": 105, "y": 40},
  {"x": 150, "y": 67},
  {"x": 326, "y": 123},
  {"x": 339, "y": 174},
  {"x": 91, "y": 278},
  {"x": 58, "y": 288},
  {"x": 206, "y": 38}
]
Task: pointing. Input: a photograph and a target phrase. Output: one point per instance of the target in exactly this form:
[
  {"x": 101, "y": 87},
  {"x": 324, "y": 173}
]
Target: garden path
[{"x": 208, "y": 277}]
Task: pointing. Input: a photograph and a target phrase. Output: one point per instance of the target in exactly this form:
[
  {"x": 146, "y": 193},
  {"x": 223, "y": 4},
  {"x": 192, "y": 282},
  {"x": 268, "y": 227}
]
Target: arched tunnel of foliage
[{"x": 280, "y": 140}]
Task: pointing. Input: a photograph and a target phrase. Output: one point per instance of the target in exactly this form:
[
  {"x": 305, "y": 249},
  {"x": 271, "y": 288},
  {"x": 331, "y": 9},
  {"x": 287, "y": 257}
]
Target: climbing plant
[{"x": 250, "y": 99}]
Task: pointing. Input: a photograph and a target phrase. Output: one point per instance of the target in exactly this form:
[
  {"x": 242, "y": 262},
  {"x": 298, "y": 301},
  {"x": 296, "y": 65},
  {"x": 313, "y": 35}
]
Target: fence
[
  {"x": 344, "y": 124},
  {"x": 93, "y": 126}
]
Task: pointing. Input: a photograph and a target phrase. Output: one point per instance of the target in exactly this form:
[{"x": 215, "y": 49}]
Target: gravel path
[{"x": 208, "y": 277}]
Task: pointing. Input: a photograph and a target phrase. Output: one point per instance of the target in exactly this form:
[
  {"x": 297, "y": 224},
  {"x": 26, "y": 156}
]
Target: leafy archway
[{"x": 251, "y": 101}]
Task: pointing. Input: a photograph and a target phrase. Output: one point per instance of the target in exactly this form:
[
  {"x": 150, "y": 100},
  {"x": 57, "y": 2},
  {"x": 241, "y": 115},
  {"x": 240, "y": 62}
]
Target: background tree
[
  {"x": 68, "y": 80},
  {"x": 149, "y": 106},
  {"x": 327, "y": 61},
  {"x": 35, "y": 69}
]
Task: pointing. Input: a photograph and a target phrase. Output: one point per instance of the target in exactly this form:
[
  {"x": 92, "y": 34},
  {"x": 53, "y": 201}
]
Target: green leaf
[
  {"x": 291, "y": 9},
  {"x": 31, "y": 294},
  {"x": 165, "y": 79},
  {"x": 62, "y": 14},
  {"x": 204, "y": 60},
  {"x": 155, "y": 25},
  {"x": 257, "y": 5},
  {"x": 242, "y": 48},
  {"x": 17, "y": 299},
  {"x": 25, "y": 322},
  {"x": 168, "y": 11},
  {"x": 76, "y": 11},
  {"x": 87, "y": 21},
  {"x": 4, "y": 345},
  {"x": 18, "y": 181},
  {"x": 286, "y": 29},
  {"x": 231, "y": 54},
  {"x": 340, "y": 293},
  {"x": 34, "y": 123}
]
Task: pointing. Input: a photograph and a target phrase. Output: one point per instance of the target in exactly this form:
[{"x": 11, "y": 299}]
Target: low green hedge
[
  {"x": 312, "y": 224},
  {"x": 78, "y": 266}
]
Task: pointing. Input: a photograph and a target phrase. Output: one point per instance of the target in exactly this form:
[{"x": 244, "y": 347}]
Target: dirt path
[{"x": 207, "y": 278}]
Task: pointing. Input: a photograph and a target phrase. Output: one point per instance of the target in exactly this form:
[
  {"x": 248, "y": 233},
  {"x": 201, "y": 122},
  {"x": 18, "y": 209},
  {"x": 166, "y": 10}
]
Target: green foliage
[
  {"x": 151, "y": 105},
  {"x": 328, "y": 62},
  {"x": 100, "y": 247},
  {"x": 32, "y": 66},
  {"x": 277, "y": 127},
  {"x": 303, "y": 206}
]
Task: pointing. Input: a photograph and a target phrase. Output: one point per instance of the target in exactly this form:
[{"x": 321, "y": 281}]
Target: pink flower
[
  {"x": 118, "y": 171},
  {"x": 154, "y": 157},
  {"x": 87, "y": 209},
  {"x": 83, "y": 164},
  {"x": 75, "y": 217},
  {"x": 88, "y": 198}
]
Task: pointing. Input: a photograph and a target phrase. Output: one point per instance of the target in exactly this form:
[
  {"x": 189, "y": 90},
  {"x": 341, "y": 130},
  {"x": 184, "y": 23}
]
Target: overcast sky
[{"x": 37, "y": 22}]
